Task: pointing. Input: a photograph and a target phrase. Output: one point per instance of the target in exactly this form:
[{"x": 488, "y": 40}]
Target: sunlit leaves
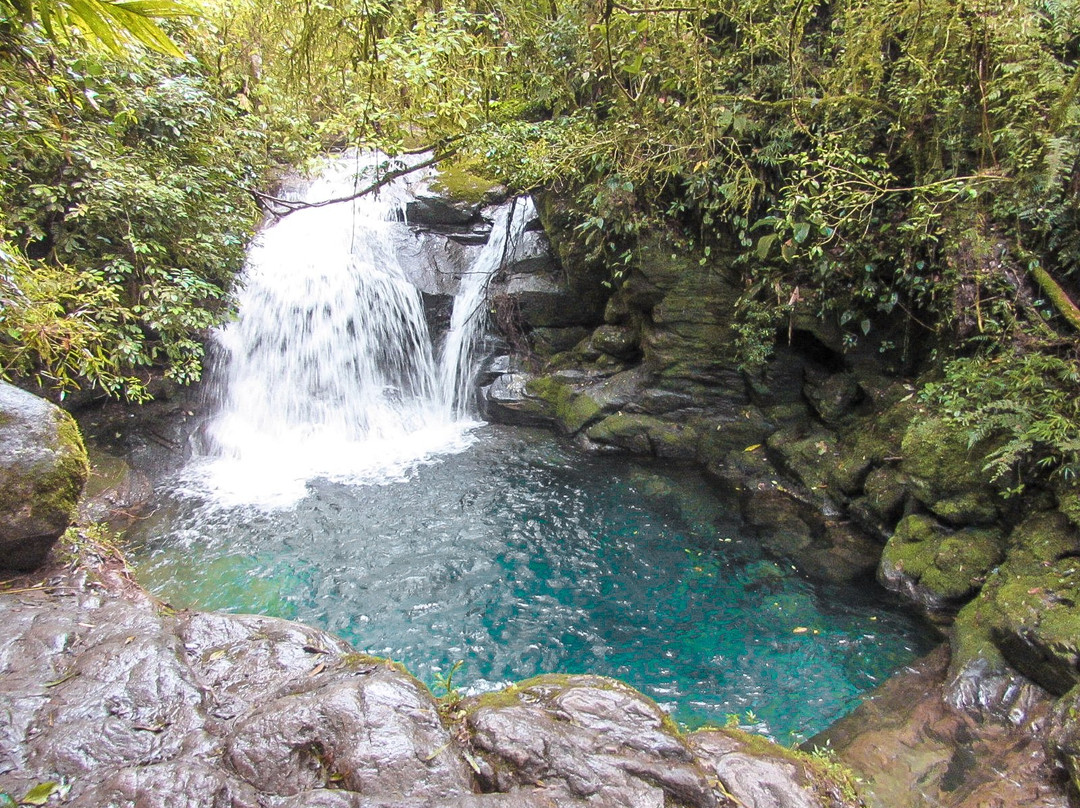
[{"x": 113, "y": 24}]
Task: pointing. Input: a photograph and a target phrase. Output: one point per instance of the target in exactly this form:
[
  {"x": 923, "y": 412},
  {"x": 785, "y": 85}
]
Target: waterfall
[{"x": 329, "y": 370}]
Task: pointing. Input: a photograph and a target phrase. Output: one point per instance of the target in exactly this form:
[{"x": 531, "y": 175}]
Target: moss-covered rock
[
  {"x": 628, "y": 433},
  {"x": 937, "y": 567},
  {"x": 547, "y": 342},
  {"x": 941, "y": 466},
  {"x": 1036, "y": 624},
  {"x": 807, "y": 453},
  {"x": 570, "y": 408},
  {"x": 740, "y": 429},
  {"x": 43, "y": 467},
  {"x": 757, "y": 772},
  {"x": 1069, "y": 504},
  {"x": 1028, "y": 610},
  {"x": 881, "y": 505},
  {"x": 833, "y": 397},
  {"x": 645, "y": 435},
  {"x": 619, "y": 341},
  {"x": 465, "y": 182},
  {"x": 873, "y": 442},
  {"x": 1064, "y": 737}
]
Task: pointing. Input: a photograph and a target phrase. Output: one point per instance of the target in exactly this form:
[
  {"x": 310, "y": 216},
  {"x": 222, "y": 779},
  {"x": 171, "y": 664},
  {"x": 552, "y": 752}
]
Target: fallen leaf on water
[{"x": 799, "y": 630}]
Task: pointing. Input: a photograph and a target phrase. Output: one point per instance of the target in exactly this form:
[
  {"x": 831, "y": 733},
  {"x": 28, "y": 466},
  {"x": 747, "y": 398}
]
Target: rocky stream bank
[{"x": 832, "y": 458}]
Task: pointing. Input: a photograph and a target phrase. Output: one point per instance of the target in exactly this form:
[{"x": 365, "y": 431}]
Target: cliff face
[{"x": 832, "y": 457}]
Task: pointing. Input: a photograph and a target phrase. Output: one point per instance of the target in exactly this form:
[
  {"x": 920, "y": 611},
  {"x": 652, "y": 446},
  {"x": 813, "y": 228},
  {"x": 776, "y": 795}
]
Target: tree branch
[
  {"x": 280, "y": 208},
  {"x": 1062, "y": 302},
  {"x": 655, "y": 9}
]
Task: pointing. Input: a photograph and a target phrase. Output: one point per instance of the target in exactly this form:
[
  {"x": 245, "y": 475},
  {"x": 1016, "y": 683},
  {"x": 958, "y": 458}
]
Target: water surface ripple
[{"x": 519, "y": 556}]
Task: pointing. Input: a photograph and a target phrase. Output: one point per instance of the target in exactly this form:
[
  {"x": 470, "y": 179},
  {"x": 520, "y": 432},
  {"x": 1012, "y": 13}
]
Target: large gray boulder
[{"x": 43, "y": 468}]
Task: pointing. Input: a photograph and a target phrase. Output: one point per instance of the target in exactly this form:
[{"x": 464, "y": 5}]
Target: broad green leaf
[
  {"x": 39, "y": 794},
  {"x": 764, "y": 245}
]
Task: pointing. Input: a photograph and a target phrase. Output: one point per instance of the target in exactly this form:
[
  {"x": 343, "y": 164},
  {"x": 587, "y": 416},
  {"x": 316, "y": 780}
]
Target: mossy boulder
[
  {"x": 1064, "y": 737},
  {"x": 757, "y": 772},
  {"x": 882, "y": 502},
  {"x": 946, "y": 474},
  {"x": 1028, "y": 609},
  {"x": 43, "y": 468},
  {"x": 873, "y": 442},
  {"x": 569, "y": 407},
  {"x": 466, "y": 183},
  {"x": 808, "y": 453},
  {"x": 551, "y": 341},
  {"x": 645, "y": 435},
  {"x": 833, "y": 397},
  {"x": 1037, "y": 624},
  {"x": 619, "y": 341},
  {"x": 937, "y": 567},
  {"x": 736, "y": 429}
]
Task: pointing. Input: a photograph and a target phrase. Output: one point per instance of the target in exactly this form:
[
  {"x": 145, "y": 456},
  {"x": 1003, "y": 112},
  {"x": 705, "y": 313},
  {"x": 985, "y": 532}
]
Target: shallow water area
[{"x": 519, "y": 556}]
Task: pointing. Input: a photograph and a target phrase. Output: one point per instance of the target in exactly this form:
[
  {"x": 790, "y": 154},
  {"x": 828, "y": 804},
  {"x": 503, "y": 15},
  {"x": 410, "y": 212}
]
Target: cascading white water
[
  {"x": 329, "y": 370},
  {"x": 457, "y": 365}
]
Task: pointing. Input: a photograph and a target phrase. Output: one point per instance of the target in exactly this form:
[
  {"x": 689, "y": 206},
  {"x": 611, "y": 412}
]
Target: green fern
[{"x": 1029, "y": 404}]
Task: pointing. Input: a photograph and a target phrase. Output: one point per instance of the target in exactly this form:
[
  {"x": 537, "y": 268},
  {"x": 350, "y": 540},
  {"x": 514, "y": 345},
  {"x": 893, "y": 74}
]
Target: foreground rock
[
  {"x": 121, "y": 702},
  {"x": 984, "y": 744},
  {"x": 42, "y": 471}
]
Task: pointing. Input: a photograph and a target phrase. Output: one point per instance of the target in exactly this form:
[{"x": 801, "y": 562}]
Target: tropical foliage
[
  {"x": 906, "y": 169},
  {"x": 123, "y": 217},
  {"x": 111, "y": 23}
]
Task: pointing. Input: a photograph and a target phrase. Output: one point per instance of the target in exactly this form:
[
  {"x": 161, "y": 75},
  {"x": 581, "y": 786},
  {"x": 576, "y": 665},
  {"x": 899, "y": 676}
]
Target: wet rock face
[
  {"x": 912, "y": 749},
  {"x": 131, "y": 706},
  {"x": 585, "y": 738},
  {"x": 42, "y": 471},
  {"x": 1064, "y": 739}
]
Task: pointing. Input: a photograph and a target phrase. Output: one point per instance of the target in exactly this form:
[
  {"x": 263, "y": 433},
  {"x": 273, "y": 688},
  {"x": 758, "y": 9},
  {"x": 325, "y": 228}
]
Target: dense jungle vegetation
[{"x": 871, "y": 162}]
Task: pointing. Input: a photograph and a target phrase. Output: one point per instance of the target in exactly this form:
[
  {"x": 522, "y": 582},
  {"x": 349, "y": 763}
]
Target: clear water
[
  {"x": 345, "y": 484},
  {"x": 520, "y": 556}
]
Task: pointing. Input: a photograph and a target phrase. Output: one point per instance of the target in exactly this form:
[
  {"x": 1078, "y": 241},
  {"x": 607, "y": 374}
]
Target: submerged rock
[{"x": 43, "y": 468}]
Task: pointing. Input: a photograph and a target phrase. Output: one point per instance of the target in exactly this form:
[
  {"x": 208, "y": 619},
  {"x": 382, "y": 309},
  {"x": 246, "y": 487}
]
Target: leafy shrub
[
  {"x": 1028, "y": 400},
  {"x": 123, "y": 214}
]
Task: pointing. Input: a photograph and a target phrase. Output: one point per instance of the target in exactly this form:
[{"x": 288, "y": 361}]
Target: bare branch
[{"x": 276, "y": 206}]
